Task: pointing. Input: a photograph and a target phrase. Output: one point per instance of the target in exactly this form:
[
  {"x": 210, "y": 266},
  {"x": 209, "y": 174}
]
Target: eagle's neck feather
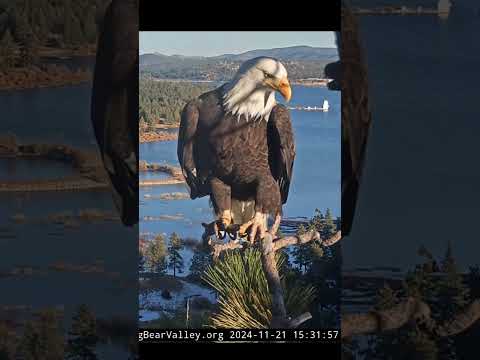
[{"x": 241, "y": 98}]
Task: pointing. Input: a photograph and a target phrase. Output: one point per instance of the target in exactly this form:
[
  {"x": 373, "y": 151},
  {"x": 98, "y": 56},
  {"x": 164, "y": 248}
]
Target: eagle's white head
[{"x": 252, "y": 91}]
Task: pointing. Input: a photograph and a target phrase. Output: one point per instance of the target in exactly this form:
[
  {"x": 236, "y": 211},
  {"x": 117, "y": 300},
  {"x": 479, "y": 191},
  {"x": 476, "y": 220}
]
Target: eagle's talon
[
  {"x": 220, "y": 230},
  {"x": 258, "y": 227}
]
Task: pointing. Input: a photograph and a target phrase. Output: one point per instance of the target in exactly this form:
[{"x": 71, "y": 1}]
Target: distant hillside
[
  {"x": 300, "y": 61},
  {"x": 289, "y": 53}
]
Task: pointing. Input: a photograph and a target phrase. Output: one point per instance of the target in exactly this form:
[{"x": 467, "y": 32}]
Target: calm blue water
[{"x": 316, "y": 174}]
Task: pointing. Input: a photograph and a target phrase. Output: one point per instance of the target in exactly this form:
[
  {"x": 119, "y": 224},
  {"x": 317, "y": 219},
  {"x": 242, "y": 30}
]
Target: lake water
[
  {"x": 60, "y": 116},
  {"x": 33, "y": 169},
  {"x": 316, "y": 173}
]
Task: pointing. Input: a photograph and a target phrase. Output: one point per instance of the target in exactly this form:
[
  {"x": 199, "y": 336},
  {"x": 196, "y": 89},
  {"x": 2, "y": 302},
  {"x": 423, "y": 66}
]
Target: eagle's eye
[{"x": 267, "y": 75}]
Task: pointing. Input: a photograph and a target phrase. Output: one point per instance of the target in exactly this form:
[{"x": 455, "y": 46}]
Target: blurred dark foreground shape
[
  {"x": 422, "y": 113},
  {"x": 115, "y": 103}
]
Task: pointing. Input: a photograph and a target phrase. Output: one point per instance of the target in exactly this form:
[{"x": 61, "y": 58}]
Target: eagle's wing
[
  {"x": 114, "y": 105},
  {"x": 185, "y": 146},
  {"x": 281, "y": 147}
]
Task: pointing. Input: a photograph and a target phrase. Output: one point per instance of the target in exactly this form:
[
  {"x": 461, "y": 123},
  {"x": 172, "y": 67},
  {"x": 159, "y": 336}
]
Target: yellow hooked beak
[{"x": 283, "y": 87}]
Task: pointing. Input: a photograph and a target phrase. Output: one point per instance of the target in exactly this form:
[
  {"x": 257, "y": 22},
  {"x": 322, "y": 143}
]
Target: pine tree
[
  {"x": 28, "y": 51},
  {"x": 202, "y": 258},
  {"x": 175, "y": 260},
  {"x": 90, "y": 27},
  {"x": 42, "y": 338},
  {"x": 82, "y": 336},
  {"x": 448, "y": 263},
  {"x": 302, "y": 253},
  {"x": 330, "y": 228},
  {"x": 70, "y": 31},
  {"x": 156, "y": 254},
  {"x": 451, "y": 291},
  {"x": 51, "y": 335},
  {"x": 6, "y": 342},
  {"x": 42, "y": 28},
  {"x": 8, "y": 52},
  {"x": 29, "y": 347},
  {"x": 317, "y": 221}
]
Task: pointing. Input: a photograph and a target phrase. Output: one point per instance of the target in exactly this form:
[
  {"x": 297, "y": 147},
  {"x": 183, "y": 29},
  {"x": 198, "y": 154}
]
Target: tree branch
[
  {"x": 268, "y": 246},
  {"x": 311, "y": 235},
  {"x": 218, "y": 247},
  {"x": 409, "y": 310},
  {"x": 461, "y": 321}
]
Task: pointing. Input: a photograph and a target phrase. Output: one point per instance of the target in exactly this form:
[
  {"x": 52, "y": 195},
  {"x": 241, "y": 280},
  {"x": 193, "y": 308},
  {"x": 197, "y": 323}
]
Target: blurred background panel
[
  {"x": 67, "y": 259},
  {"x": 413, "y": 233}
]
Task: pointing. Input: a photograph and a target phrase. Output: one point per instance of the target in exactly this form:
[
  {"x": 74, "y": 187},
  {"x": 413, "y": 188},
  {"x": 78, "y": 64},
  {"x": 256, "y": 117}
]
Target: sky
[{"x": 211, "y": 43}]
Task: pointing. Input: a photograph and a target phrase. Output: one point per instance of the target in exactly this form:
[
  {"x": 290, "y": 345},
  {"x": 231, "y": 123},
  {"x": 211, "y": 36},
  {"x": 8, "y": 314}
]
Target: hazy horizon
[
  {"x": 285, "y": 47},
  {"x": 211, "y": 43}
]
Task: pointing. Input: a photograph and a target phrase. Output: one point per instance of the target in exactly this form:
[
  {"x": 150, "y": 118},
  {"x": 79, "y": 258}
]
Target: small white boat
[{"x": 325, "y": 106}]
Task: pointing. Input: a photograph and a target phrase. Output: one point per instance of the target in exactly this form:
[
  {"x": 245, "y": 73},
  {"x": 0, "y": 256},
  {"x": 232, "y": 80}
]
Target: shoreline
[
  {"x": 169, "y": 181},
  {"x": 301, "y": 82},
  {"x": 87, "y": 167},
  {"x": 67, "y": 184},
  {"x": 50, "y": 76},
  {"x": 154, "y": 136},
  {"x": 176, "y": 175}
]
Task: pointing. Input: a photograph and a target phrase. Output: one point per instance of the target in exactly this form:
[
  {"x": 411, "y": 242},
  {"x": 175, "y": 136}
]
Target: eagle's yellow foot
[{"x": 259, "y": 227}]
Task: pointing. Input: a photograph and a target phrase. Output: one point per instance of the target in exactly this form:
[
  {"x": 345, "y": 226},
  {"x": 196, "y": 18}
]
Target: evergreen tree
[
  {"x": 302, "y": 253},
  {"x": 175, "y": 260},
  {"x": 329, "y": 228},
  {"x": 317, "y": 221},
  {"x": 51, "y": 335},
  {"x": 8, "y": 52},
  {"x": 28, "y": 50},
  {"x": 82, "y": 335},
  {"x": 29, "y": 347},
  {"x": 42, "y": 28},
  {"x": 6, "y": 342},
  {"x": 72, "y": 29},
  {"x": 448, "y": 263},
  {"x": 202, "y": 258},
  {"x": 90, "y": 27},
  {"x": 451, "y": 292},
  {"x": 156, "y": 255},
  {"x": 42, "y": 338}
]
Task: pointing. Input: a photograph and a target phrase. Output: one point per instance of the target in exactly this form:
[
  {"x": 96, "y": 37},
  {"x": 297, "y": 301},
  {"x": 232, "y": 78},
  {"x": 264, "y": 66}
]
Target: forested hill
[
  {"x": 51, "y": 22},
  {"x": 299, "y": 53},
  {"x": 163, "y": 101},
  {"x": 301, "y": 62}
]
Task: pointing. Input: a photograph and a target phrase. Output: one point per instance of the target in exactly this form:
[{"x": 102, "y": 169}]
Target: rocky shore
[
  {"x": 45, "y": 76},
  {"x": 176, "y": 176},
  {"x": 168, "y": 196},
  {"x": 90, "y": 173},
  {"x": 151, "y": 136}
]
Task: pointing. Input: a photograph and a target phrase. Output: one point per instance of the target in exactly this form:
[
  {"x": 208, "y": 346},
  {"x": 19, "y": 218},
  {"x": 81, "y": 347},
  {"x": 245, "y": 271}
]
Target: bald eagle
[{"x": 236, "y": 145}]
